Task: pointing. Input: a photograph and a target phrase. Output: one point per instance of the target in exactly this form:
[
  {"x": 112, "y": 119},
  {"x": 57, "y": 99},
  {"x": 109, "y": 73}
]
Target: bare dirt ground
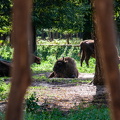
[{"x": 67, "y": 95}]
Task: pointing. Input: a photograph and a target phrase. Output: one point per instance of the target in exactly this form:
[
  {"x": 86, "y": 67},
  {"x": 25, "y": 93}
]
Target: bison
[
  {"x": 5, "y": 66},
  {"x": 87, "y": 51},
  {"x": 64, "y": 68},
  {"x": 36, "y": 59}
]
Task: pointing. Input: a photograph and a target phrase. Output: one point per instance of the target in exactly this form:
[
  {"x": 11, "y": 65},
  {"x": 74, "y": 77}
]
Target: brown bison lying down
[
  {"x": 87, "y": 51},
  {"x": 64, "y": 68},
  {"x": 6, "y": 66}
]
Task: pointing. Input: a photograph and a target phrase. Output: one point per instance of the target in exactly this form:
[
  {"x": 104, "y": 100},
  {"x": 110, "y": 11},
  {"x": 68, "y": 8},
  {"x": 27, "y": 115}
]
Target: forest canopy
[{"x": 71, "y": 16}]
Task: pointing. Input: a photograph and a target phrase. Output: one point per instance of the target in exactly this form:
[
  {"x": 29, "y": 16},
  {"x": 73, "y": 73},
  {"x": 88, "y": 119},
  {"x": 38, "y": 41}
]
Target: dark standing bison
[
  {"x": 64, "y": 68},
  {"x": 87, "y": 51}
]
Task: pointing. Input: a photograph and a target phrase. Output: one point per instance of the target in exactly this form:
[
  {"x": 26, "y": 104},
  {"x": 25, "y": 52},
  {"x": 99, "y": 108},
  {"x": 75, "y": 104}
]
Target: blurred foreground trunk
[
  {"x": 105, "y": 31},
  {"x": 21, "y": 77}
]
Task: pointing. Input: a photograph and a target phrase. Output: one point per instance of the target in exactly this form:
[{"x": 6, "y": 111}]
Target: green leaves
[
  {"x": 31, "y": 104},
  {"x": 5, "y": 10},
  {"x": 63, "y": 15}
]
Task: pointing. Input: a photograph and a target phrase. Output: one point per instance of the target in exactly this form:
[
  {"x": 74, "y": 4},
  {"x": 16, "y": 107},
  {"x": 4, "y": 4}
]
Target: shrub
[
  {"x": 31, "y": 104},
  {"x": 4, "y": 90}
]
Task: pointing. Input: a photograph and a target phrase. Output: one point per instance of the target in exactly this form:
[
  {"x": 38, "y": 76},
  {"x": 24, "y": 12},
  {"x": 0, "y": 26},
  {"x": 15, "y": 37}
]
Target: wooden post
[{"x": 21, "y": 77}]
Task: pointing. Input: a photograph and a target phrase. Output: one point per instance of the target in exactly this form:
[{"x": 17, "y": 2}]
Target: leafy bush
[
  {"x": 46, "y": 51},
  {"x": 31, "y": 104},
  {"x": 6, "y": 52},
  {"x": 4, "y": 90}
]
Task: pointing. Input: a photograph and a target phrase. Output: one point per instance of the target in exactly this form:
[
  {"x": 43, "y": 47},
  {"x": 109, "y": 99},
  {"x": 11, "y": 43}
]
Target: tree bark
[
  {"x": 105, "y": 30},
  {"x": 34, "y": 45},
  {"x": 21, "y": 77},
  {"x": 87, "y": 26},
  {"x": 98, "y": 77}
]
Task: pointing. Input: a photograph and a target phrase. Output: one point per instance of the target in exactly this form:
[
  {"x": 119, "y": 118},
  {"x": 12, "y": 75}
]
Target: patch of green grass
[
  {"x": 89, "y": 113},
  {"x": 2, "y": 116},
  {"x": 49, "y": 55},
  {"x": 47, "y": 66},
  {"x": 60, "y": 80}
]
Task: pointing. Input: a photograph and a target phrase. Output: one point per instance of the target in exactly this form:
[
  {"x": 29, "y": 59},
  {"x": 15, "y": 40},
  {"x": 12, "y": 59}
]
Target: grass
[
  {"x": 60, "y": 80},
  {"x": 47, "y": 66},
  {"x": 49, "y": 55},
  {"x": 89, "y": 113}
]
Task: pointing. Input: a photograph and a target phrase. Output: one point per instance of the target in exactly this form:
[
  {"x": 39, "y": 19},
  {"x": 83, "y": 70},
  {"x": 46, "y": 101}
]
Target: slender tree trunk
[
  {"x": 34, "y": 45},
  {"x": 87, "y": 26},
  {"x": 43, "y": 36},
  {"x": 67, "y": 38},
  {"x": 105, "y": 30},
  {"x": 98, "y": 77},
  {"x": 21, "y": 77}
]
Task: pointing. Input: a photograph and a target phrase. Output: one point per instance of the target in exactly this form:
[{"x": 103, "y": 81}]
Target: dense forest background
[{"x": 56, "y": 19}]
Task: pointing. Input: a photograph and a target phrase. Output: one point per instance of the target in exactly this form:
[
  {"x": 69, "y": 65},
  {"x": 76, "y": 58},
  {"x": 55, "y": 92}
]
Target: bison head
[
  {"x": 59, "y": 66},
  {"x": 36, "y": 59}
]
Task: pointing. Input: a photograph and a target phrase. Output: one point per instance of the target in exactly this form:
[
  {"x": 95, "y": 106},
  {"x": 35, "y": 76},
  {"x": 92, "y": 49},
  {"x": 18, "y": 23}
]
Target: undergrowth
[
  {"x": 4, "y": 90},
  {"x": 41, "y": 112}
]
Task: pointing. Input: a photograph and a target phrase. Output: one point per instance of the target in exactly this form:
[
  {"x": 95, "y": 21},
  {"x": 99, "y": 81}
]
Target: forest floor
[{"x": 65, "y": 96}]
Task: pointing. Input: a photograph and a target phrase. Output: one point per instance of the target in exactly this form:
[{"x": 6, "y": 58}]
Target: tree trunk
[
  {"x": 34, "y": 45},
  {"x": 87, "y": 26},
  {"x": 67, "y": 38},
  {"x": 105, "y": 31},
  {"x": 98, "y": 78},
  {"x": 21, "y": 74},
  {"x": 43, "y": 35},
  {"x": 51, "y": 36}
]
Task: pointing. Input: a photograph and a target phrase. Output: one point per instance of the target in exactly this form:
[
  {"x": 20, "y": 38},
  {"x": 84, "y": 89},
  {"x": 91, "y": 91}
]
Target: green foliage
[
  {"x": 49, "y": 55},
  {"x": 90, "y": 113},
  {"x": 4, "y": 90},
  {"x": 65, "y": 16},
  {"x": 117, "y": 13},
  {"x": 6, "y": 52},
  {"x": 5, "y": 17},
  {"x": 31, "y": 104},
  {"x": 57, "y": 52},
  {"x": 2, "y": 116}
]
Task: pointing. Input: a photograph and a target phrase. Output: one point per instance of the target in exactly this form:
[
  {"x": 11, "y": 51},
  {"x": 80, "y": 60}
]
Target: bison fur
[
  {"x": 87, "y": 51},
  {"x": 64, "y": 68}
]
